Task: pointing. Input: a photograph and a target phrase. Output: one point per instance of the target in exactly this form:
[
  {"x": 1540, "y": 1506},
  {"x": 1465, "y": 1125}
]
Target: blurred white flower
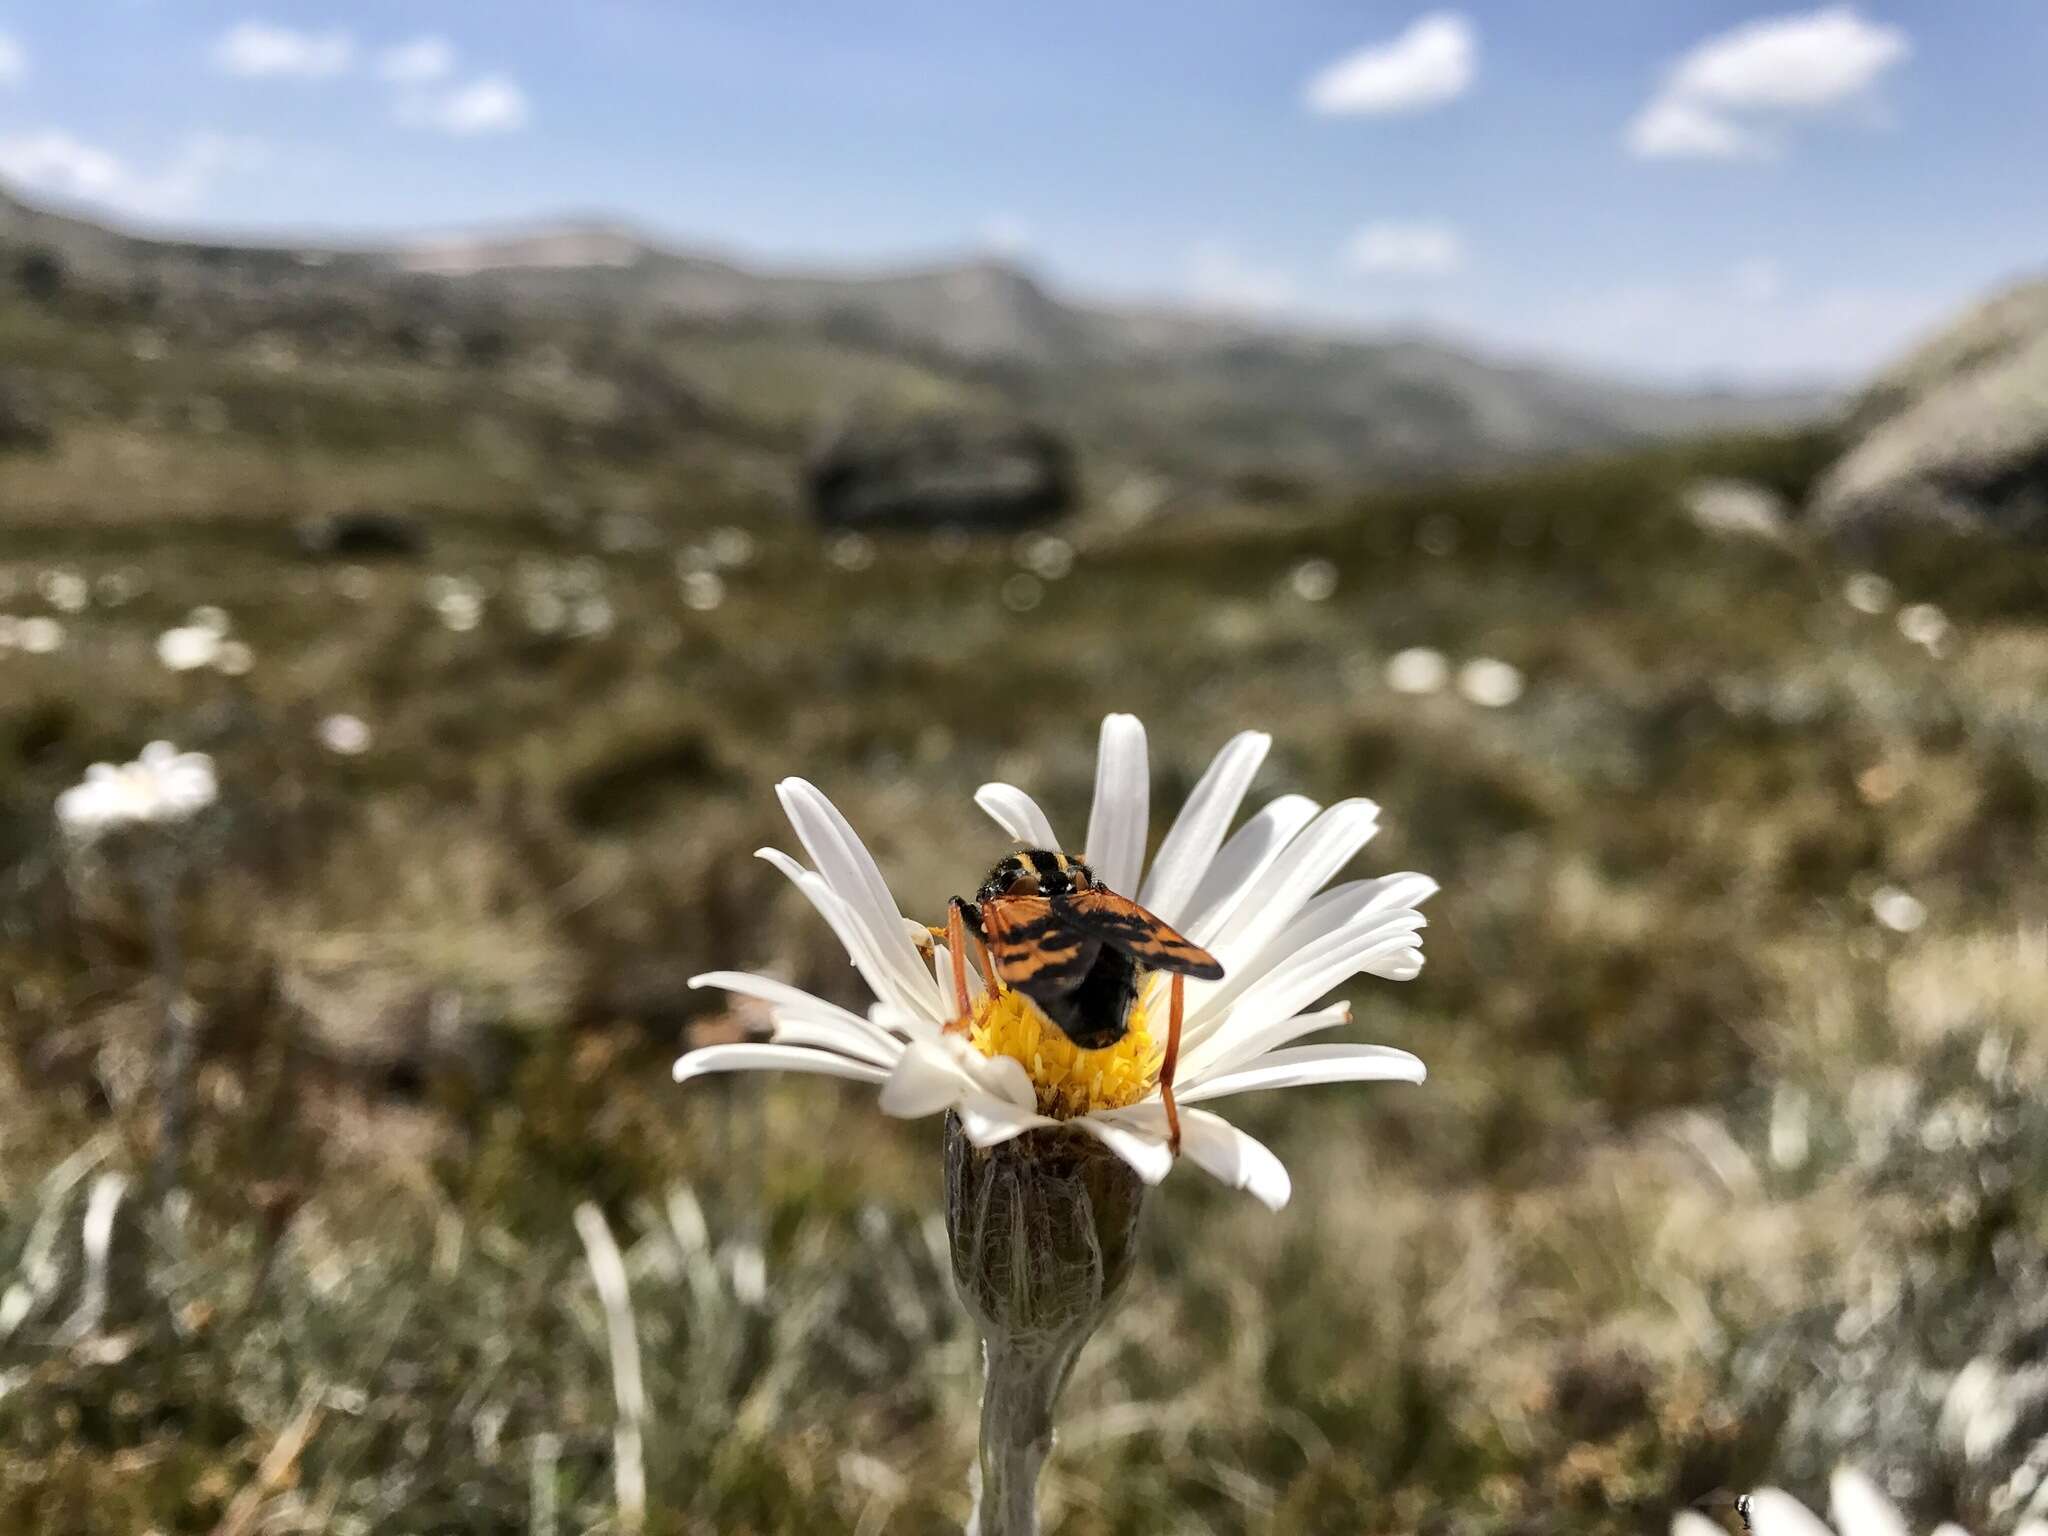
[
  {"x": 1255, "y": 901},
  {"x": 1925, "y": 625},
  {"x": 160, "y": 787},
  {"x": 1867, "y": 592},
  {"x": 1313, "y": 581},
  {"x": 1489, "y": 683},
  {"x": 235, "y": 659},
  {"x": 208, "y": 617},
  {"x": 591, "y": 617},
  {"x": 40, "y": 636},
  {"x": 703, "y": 590},
  {"x": 1418, "y": 670},
  {"x": 1046, "y": 555},
  {"x": 1022, "y": 593},
  {"x": 1898, "y": 910},
  {"x": 65, "y": 590},
  {"x": 1858, "y": 1507},
  {"x": 187, "y": 648},
  {"x": 458, "y": 601},
  {"x": 730, "y": 547},
  {"x": 345, "y": 735},
  {"x": 852, "y": 552}
]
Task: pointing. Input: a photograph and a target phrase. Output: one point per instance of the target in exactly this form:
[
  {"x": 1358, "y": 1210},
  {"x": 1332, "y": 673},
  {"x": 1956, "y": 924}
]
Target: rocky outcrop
[
  {"x": 1955, "y": 435},
  {"x": 942, "y": 471}
]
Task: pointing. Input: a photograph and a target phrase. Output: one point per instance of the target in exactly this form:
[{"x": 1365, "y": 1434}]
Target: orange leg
[
  {"x": 956, "y": 950},
  {"x": 1166, "y": 1066}
]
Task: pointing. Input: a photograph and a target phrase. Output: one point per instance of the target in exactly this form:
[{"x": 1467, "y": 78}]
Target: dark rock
[
  {"x": 1954, "y": 436},
  {"x": 944, "y": 471},
  {"x": 363, "y": 534}
]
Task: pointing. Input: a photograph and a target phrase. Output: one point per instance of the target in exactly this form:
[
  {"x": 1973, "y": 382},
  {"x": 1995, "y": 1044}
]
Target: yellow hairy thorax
[{"x": 1069, "y": 1080}]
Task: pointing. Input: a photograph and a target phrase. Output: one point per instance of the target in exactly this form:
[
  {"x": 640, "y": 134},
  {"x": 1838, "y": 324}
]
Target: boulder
[
  {"x": 1955, "y": 435},
  {"x": 942, "y": 471}
]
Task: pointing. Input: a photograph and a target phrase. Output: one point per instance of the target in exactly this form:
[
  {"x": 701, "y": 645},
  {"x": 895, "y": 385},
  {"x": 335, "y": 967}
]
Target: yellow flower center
[{"x": 1069, "y": 1080}]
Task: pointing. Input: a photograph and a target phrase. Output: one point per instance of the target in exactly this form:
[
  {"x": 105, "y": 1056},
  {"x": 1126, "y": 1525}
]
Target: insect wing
[
  {"x": 1120, "y": 921},
  {"x": 1033, "y": 950}
]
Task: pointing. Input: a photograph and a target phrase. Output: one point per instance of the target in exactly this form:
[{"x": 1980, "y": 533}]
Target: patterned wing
[
  {"x": 1120, "y": 921},
  {"x": 1033, "y": 950}
]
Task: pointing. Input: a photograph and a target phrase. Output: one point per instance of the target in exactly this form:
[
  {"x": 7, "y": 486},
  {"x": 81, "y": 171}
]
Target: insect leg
[
  {"x": 1166, "y": 1066},
  {"x": 956, "y": 950},
  {"x": 972, "y": 919}
]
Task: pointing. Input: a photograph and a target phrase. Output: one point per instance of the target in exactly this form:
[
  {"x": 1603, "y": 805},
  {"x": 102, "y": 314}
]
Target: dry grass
[{"x": 1578, "y": 1279}]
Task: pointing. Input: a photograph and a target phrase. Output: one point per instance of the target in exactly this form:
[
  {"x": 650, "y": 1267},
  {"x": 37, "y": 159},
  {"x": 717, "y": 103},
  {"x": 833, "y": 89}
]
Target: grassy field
[{"x": 1717, "y": 1177}]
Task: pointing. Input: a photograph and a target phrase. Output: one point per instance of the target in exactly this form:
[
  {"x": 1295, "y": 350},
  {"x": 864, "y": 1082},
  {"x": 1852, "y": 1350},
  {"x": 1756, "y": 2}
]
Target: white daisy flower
[
  {"x": 187, "y": 648},
  {"x": 1254, "y": 899},
  {"x": 1859, "y": 1510},
  {"x": 161, "y": 787}
]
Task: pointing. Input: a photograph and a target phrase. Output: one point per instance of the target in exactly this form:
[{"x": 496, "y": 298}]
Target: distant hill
[{"x": 1179, "y": 392}]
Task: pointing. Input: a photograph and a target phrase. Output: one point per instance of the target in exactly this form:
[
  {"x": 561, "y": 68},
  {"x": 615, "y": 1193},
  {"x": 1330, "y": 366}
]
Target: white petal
[
  {"x": 1135, "y": 1136},
  {"x": 934, "y": 1074},
  {"x": 788, "y": 1000},
  {"x": 1123, "y": 794},
  {"x": 1017, "y": 814},
  {"x": 1773, "y": 1512},
  {"x": 1686, "y": 1523},
  {"x": 1306, "y": 1064},
  {"x": 774, "y": 1058},
  {"x": 1231, "y": 1047},
  {"x": 926, "y": 1080},
  {"x": 913, "y": 991},
  {"x": 1307, "y": 864},
  {"x": 942, "y": 975},
  {"x": 1860, "y": 1510},
  {"x": 826, "y": 1035},
  {"x": 1385, "y": 944},
  {"x": 839, "y": 855},
  {"x": 1191, "y": 843},
  {"x": 1243, "y": 1162},
  {"x": 986, "y": 1120},
  {"x": 1248, "y": 854}
]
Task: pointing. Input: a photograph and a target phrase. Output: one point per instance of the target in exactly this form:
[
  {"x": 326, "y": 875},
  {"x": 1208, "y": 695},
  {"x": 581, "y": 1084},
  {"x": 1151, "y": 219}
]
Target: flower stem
[{"x": 1016, "y": 1432}]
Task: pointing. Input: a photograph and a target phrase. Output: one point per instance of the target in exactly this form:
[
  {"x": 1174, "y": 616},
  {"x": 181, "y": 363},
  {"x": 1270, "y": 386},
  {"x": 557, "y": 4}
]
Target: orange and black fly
[{"x": 1047, "y": 928}]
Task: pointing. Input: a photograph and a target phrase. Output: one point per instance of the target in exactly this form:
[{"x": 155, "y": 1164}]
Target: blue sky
[{"x": 1670, "y": 188}]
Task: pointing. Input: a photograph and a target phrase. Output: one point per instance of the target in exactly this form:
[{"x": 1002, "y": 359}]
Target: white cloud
[
  {"x": 13, "y": 60},
  {"x": 1433, "y": 62},
  {"x": 55, "y": 162},
  {"x": 1794, "y": 63},
  {"x": 1674, "y": 129},
  {"x": 1004, "y": 234},
  {"x": 488, "y": 104},
  {"x": 1220, "y": 279},
  {"x": 419, "y": 62},
  {"x": 1405, "y": 250},
  {"x": 259, "y": 49},
  {"x": 1777, "y": 67}
]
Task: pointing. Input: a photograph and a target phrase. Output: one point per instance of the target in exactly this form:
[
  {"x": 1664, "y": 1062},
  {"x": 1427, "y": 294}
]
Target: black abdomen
[{"x": 1097, "y": 1013}]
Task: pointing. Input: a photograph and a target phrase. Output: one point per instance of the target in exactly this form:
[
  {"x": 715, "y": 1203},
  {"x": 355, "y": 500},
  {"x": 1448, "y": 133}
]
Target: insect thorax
[{"x": 1036, "y": 872}]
